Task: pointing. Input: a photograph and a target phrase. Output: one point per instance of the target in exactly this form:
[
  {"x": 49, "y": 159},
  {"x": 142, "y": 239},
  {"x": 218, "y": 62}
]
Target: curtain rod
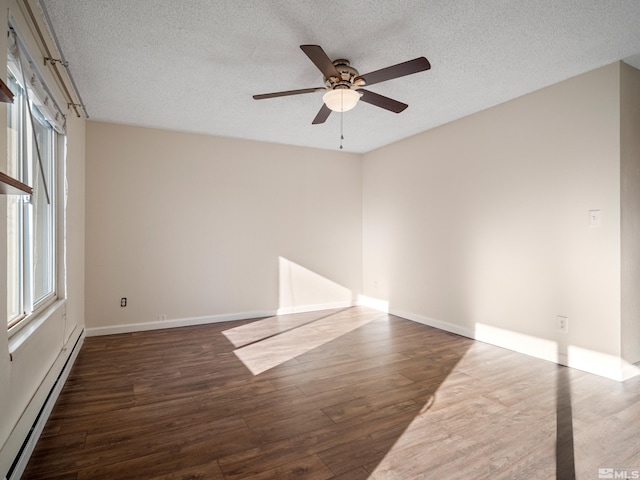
[{"x": 70, "y": 100}]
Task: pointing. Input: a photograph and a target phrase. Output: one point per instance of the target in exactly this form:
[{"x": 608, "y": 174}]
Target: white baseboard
[
  {"x": 603, "y": 364},
  {"x": 177, "y": 322},
  {"x": 597, "y": 363},
  {"x": 589, "y": 361},
  {"x": 227, "y": 317},
  {"x": 520, "y": 342},
  {"x": 629, "y": 370},
  {"x": 374, "y": 303},
  {"x": 439, "y": 324}
]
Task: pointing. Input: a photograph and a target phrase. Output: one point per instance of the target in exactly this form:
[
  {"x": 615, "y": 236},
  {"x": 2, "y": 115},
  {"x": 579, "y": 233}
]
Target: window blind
[{"x": 39, "y": 94}]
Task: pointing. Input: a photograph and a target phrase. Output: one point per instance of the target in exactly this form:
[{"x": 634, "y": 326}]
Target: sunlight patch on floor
[
  {"x": 446, "y": 441},
  {"x": 268, "y": 327},
  {"x": 275, "y": 350}
]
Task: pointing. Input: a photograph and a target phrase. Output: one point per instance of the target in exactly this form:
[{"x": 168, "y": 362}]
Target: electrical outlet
[
  {"x": 563, "y": 324},
  {"x": 123, "y": 302},
  {"x": 162, "y": 317}
]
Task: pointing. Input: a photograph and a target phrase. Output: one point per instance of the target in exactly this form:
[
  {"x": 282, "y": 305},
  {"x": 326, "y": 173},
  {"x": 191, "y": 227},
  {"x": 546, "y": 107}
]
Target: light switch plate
[
  {"x": 563, "y": 324},
  {"x": 595, "y": 218}
]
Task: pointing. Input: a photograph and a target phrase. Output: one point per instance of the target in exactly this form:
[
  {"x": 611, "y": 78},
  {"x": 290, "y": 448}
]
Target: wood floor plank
[
  {"x": 207, "y": 471},
  {"x": 307, "y": 468},
  {"x": 393, "y": 417},
  {"x": 355, "y": 474},
  {"x": 390, "y": 399}
]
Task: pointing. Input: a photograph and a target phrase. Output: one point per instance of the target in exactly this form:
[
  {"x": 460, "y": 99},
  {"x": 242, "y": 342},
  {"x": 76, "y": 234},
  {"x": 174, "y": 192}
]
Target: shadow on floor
[{"x": 565, "y": 458}]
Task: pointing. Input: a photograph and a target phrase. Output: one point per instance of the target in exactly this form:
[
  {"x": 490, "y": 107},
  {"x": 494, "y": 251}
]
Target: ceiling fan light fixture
[{"x": 341, "y": 99}]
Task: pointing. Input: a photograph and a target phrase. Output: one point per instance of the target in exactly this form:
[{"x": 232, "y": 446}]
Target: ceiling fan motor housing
[{"x": 348, "y": 76}]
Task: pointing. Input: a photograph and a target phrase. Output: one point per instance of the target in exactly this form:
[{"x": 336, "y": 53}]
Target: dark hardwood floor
[{"x": 390, "y": 399}]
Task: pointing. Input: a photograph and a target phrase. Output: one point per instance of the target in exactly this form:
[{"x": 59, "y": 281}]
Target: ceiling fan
[{"x": 343, "y": 83}]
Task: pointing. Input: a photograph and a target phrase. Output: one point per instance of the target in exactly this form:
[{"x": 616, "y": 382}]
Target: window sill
[{"x": 23, "y": 330}]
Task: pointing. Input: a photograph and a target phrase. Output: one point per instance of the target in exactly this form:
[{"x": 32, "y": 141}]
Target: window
[{"x": 31, "y": 249}]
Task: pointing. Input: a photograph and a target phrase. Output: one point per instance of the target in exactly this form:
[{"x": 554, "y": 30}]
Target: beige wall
[
  {"x": 630, "y": 190},
  {"x": 192, "y": 226},
  {"x": 480, "y": 226}
]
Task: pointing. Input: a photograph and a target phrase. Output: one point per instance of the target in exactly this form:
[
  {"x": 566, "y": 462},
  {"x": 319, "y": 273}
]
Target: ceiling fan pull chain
[{"x": 341, "y": 125}]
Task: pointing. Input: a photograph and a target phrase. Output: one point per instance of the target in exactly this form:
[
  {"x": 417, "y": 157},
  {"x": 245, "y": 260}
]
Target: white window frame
[{"x": 29, "y": 307}]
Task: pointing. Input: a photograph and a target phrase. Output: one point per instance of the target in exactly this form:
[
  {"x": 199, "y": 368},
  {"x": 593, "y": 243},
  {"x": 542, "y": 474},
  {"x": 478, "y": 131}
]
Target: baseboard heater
[{"x": 26, "y": 449}]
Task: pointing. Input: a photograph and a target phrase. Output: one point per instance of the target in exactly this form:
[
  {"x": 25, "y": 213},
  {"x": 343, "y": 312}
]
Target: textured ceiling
[{"x": 193, "y": 65}]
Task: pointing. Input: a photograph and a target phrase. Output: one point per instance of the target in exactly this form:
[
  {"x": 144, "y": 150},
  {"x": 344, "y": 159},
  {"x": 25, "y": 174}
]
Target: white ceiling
[{"x": 193, "y": 65}]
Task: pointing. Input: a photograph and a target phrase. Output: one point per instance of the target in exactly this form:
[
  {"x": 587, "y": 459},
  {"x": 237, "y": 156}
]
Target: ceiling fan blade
[
  {"x": 409, "y": 67},
  {"x": 382, "y": 101},
  {"x": 288, "y": 92},
  {"x": 322, "y": 115},
  {"x": 317, "y": 55}
]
